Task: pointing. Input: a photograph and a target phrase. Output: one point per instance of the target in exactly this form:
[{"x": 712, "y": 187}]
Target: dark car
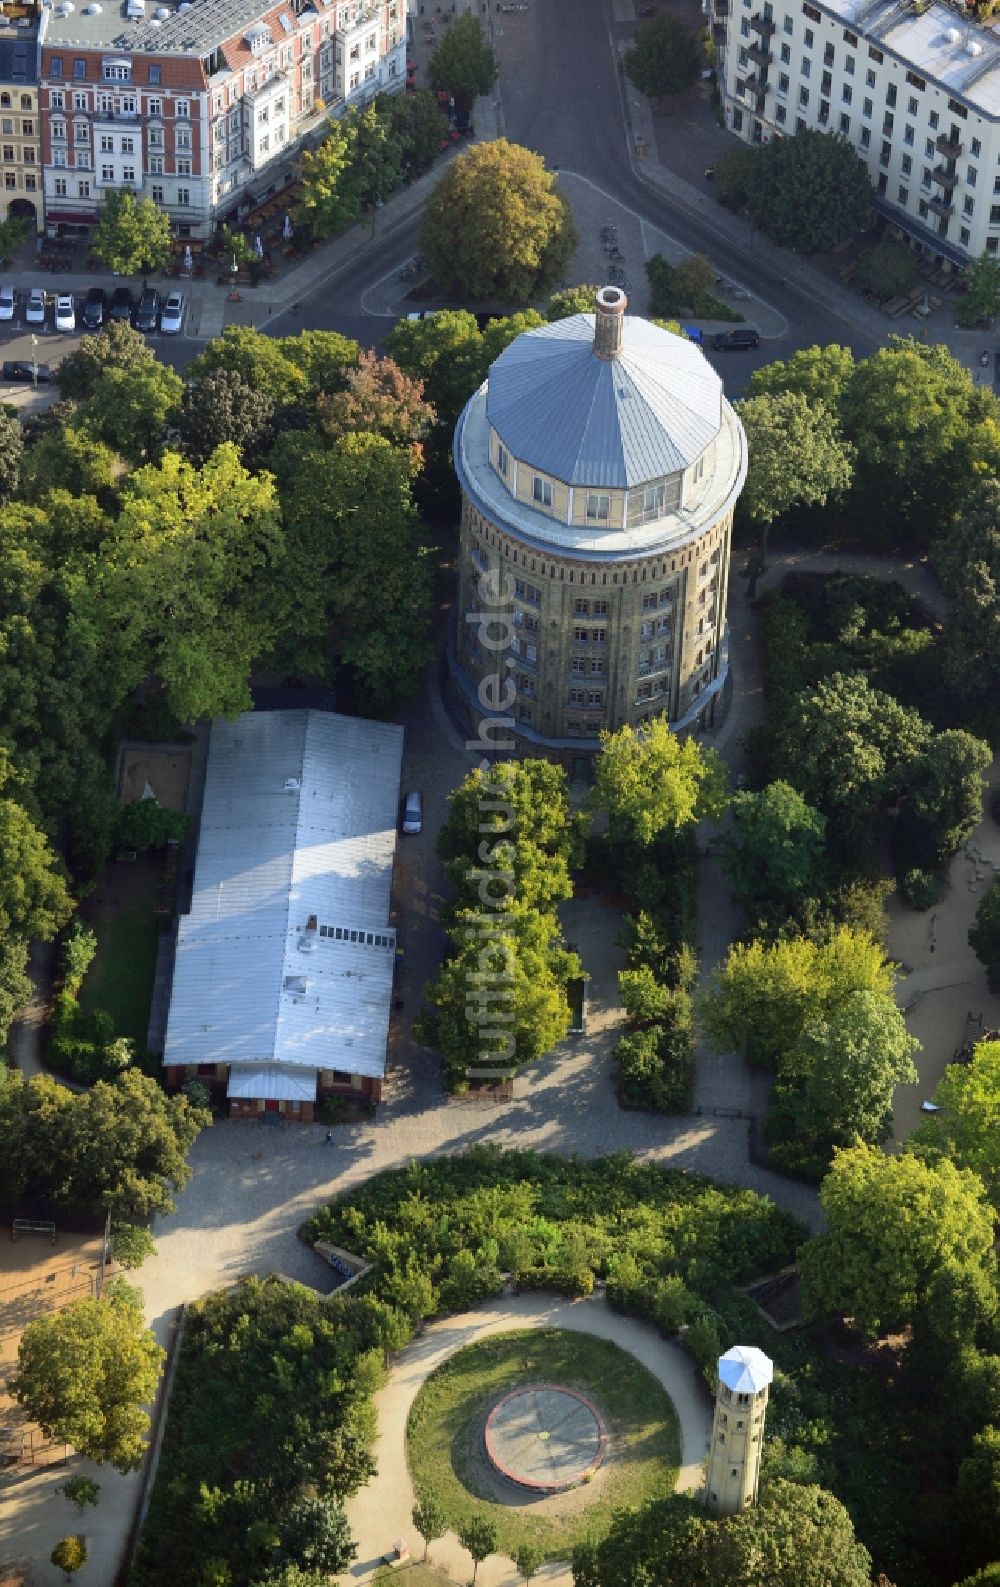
[
  {"x": 148, "y": 312},
  {"x": 738, "y": 341},
  {"x": 95, "y": 308},
  {"x": 24, "y": 369},
  {"x": 122, "y": 304}
]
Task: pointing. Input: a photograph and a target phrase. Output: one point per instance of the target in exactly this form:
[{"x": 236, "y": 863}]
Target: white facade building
[{"x": 914, "y": 86}]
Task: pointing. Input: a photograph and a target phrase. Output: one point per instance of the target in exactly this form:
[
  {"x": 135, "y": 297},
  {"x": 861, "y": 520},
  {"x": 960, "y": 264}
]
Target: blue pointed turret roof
[{"x": 745, "y": 1370}]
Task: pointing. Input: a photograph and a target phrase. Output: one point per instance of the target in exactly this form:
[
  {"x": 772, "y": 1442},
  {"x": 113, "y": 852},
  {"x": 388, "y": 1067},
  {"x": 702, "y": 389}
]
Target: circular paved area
[
  {"x": 545, "y": 1437},
  {"x": 382, "y": 1512}
]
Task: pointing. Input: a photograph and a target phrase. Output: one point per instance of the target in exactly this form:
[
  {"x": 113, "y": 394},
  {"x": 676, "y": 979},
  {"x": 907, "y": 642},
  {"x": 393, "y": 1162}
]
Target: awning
[
  {"x": 919, "y": 232},
  {"x": 272, "y": 1082},
  {"x": 70, "y": 217}
]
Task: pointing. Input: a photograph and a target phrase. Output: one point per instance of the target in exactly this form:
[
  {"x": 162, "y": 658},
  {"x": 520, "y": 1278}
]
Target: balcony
[
  {"x": 757, "y": 86},
  {"x": 944, "y": 178},
  {"x": 762, "y": 24},
  {"x": 719, "y": 33},
  {"x": 950, "y": 148},
  {"x": 941, "y": 206},
  {"x": 761, "y": 54}
]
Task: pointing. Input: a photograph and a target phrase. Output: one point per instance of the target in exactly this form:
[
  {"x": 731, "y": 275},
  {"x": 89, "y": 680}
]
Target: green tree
[
  {"x": 190, "y": 576},
  {"x": 653, "y": 782},
  {"x": 316, "y": 1536},
  {"x": 223, "y": 407},
  {"x": 129, "y": 409},
  {"x": 85, "y": 1373},
  {"x": 430, "y": 1520},
  {"x": 356, "y": 582},
  {"x": 694, "y": 275},
  {"x": 69, "y": 1556},
  {"x": 846, "y": 747},
  {"x": 11, "y": 456},
  {"x": 267, "y": 364},
  {"x": 131, "y": 1244},
  {"x": 968, "y": 561},
  {"x": 980, "y": 299},
  {"x": 479, "y": 1535},
  {"x": 819, "y": 374},
  {"x": 776, "y": 848},
  {"x": 731, "y": 178},
  {"x": 967, "y": 1128},
  {"x": 808, "y": 192},
  {"x": 666, "y": 57},
  {"x": 146, "y": 824},
  {"x": 984, "y": 934},
  {"x": 319, "y": 359},
  {"x": 328, "y": 201},
  {"x": 463, "y": 63},
  {"x": 886, "y": 271},
  {"x": 495, "y": 227},
  {"x": 798, "y": 1535},
  {"x": 571, "y": 300},
  {"x": 670, "y": 1541},
  {"x": 377, "y": 157},
  {"x": 919, "y": 426},
  {"x": 419, "y": 123},
  {"x": 529, "y": 1558},
  {"x": 942, "y": 796},
  {"x": 380, "y": 398},
  {"x": 81, "y": 1491},
  {"x": 118, "y": 346},
  {"x": 516, "y": 816},
  {"x": 846, "y": 1068},
  {"x": 34, "y": 901},
  {"x": 798, "y": 457},
  {"x": 899, "y": 1232},
  {"x": 69, "y": 460},
  {"x": 977, "y": 1497},
  {"x": 132, "y": 235},
  {"x": 765, "y": 995}
]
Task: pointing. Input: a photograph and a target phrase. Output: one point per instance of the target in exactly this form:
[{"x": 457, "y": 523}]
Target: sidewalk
[{"x": 209, "y": 306}]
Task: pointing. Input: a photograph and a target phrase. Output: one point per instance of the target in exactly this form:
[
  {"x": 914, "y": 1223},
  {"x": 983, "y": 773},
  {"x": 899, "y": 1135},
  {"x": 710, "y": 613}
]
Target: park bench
[{"x": 33, "y": 1226}]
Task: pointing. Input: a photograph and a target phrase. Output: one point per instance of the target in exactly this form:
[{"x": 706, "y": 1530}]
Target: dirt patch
[{"x": 167, "y": 771}]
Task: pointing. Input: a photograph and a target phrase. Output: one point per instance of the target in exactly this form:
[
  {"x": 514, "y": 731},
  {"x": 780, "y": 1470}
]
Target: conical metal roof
[
  {"x": 612, "y": 423},
  {"x": 745, "y": 1370}
]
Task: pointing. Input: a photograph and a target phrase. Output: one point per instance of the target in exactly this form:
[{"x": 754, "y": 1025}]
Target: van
[
  {"x": 413, "y": 812},
  {"x": 738, "y": 341}
]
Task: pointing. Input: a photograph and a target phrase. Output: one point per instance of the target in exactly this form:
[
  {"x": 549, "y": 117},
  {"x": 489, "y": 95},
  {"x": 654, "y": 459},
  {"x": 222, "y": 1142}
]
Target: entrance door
[{"x": 271, "y": 1106}]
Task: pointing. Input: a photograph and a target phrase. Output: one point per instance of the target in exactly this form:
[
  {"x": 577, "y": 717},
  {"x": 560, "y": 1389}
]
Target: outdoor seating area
[{"x": 59, "y": 253}]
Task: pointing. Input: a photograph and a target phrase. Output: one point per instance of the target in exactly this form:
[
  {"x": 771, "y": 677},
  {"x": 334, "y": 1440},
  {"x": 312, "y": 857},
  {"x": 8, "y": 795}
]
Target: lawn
[
  {"x": 413, "y": 1575},
  {"x": 444, "y": 1436},
  {"x": 120, "y": 980}
]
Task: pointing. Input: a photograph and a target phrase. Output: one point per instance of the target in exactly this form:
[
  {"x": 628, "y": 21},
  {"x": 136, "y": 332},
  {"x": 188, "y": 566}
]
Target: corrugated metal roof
[
  {"x": 272, "y": 1083},
  {"x": 612, "y": 423},
  {"x": 298, "y": 823}
]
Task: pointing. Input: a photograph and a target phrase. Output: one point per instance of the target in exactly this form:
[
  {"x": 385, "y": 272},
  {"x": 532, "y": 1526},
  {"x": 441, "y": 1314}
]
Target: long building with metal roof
[{"x": 284, "y": 967}]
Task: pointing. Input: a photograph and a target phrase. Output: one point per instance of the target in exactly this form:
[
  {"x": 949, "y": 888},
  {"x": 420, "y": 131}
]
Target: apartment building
[
  {"x": 914, "y": 86},
  {"x": 201, "y": 105},
  {"x": 20, "y": 133}
]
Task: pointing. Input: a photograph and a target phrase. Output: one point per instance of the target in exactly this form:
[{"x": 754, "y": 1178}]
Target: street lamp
[
  {"x": 234, "y": 296},
  {"x": 34, "y": 361}
]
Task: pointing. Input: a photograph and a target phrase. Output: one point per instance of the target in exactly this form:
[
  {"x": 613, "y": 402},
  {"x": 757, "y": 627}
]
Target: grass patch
[
  {"x": 120, "y": 980},
  {"x": 444, "y": 1436},
  {"x": 415, "y": 1574}
]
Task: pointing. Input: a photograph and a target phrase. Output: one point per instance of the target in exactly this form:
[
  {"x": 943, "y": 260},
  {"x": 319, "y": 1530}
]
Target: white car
[
  {"x": 172, "y": 314},
  {"x": 8, "y": 303},
  {"x": 65, "y": 312},
  {"x": 34, "y": 313}
]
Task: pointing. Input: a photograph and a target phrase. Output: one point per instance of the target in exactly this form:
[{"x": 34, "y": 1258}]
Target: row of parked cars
[{"x": 146, "y": 313}]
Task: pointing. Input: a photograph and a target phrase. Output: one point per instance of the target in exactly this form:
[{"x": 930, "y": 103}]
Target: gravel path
[{"x": 380, "y": 1514}]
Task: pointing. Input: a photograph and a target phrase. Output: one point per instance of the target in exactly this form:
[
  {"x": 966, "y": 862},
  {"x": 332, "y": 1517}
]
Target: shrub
[
  {"x": 198, "y": 1092},
  {"x": 69, "y": 1555},
  {"x": 921, "y": 889},
  {"x": 984, "y": 935},
  {"x": 886, "y": 271},
  {"x": 702, "y": 1340}
]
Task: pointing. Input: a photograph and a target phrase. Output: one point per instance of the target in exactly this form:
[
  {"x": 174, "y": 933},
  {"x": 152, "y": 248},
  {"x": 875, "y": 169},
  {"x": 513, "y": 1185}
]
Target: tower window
[
  {"x": 502, "y": 459},
  {"x": 541, "y": 491},
  {"x": 598, "y": 506}
]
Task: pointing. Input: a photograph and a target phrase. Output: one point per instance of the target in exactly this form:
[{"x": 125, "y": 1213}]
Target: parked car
[
  {"x": 693, "y": 334},
  {"x": 148, "y": 313},
  {"x": 413, "y": 812},
  {"x": 172, "y": 317},
  {"x": 122, "y": 304},
  {"x": 24, "y": 369},
  {"x": 740, "y": 340},
  {"x": 95, "y": 308},
  {"x": 8, "y": 303},
  {"x": 65, "y": 312},
  {"x": 34, "y": 311}
]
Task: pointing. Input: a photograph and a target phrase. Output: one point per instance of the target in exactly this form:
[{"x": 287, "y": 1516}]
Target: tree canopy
[
  {"x": 807, "y": 192},
  {"x": 776, "y": 847},
  {"x": 906, "y": 1242},
  {"x": 495, "y": 228},
  {"x": 462, "y": 62},
  {"x": 651, "y": 781},
  {"x": 967, "y": 1127},
  {"x": 223, "y": 407},
  {"x": 132, "y": 235},
  {"x": 86, "y": 1372},
  {"x": 798, "y": 457},
  {"x": 819, "y": 374},
  {"x": 666, "y": 57}
]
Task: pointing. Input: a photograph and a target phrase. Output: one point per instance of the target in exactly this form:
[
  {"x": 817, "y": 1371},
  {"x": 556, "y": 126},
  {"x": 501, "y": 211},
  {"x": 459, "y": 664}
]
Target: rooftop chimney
[{"x": 609, "y": 305}]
